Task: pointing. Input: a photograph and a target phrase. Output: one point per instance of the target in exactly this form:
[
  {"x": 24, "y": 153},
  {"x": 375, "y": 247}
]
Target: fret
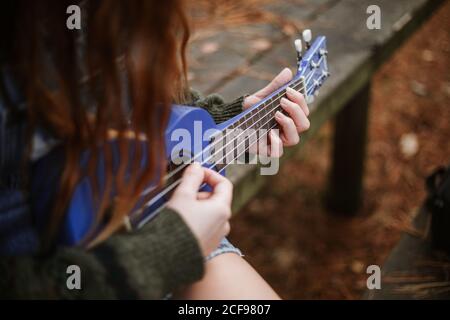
[
  {"x": 257, "y": 117},
  {"x": 212, "y": 147},
  {"x": 281, "y": 94},
  {"x": 272, "y": 113},
  {"x": 302, "y": 89},
  {"x": 234, "y": 152},
  {"x": 251, "y": 120},
  {"x": 276, "y": 99},
  {"x": 266, "y": 121},
  {"x": 247, "y": 143},
  {"x": 234, "y": 125},
  {"x": 243, "y": 122},
  {"x": 254, "y": 125},
  {"x": 217, "y": 152},
  {"x": 226, "y": 146},
  {"x": 251, "y": 127},
  {"x": 241, "y": 142},
  {"x": 245, "y": 118},
  {"x": 274, "y": 103}
]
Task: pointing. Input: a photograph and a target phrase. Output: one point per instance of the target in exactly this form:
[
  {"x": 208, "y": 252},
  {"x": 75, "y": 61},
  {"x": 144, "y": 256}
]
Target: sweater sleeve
[
  {"x": 146, "y": 264},
  {"x": 216, "y": 106}
]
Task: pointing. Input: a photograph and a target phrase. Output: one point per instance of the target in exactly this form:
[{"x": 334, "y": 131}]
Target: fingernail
[
  {"x": 283, "y": 101},
  {"x": 290, "y": 90},
  {"x": 195, "y": 165},
  {"x": 284, "y": 70},
  {"x": 278, "y": 114}
]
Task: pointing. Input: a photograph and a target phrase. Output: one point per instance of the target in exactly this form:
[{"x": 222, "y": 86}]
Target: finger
[
  {"x": 276, "y": 145},
  {"x": 304, "y": 123},
  {"x": 298, "y": 98},
  {"x": 254, "y": 149},
  {"x": 289, "y": 131},
  {"x": 251, "y": 100},
  {"x": 293, "y": 110},
  {"x": 282, "y": 78},
  {"x": 295, "y": 113},
  {"x": 203, "y": 195},
  {"x": 222, "y": 187},
  {"x": 191, "y": 181}
]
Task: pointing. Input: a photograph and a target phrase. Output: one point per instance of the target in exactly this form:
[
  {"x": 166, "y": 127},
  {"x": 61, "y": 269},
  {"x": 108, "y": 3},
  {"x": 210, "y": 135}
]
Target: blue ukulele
[{"x": 218, "y": 146}]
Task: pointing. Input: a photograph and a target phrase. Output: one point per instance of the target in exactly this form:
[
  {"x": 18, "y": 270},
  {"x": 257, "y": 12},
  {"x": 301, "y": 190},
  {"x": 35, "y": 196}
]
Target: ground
[{"x": 306, "y": 253}]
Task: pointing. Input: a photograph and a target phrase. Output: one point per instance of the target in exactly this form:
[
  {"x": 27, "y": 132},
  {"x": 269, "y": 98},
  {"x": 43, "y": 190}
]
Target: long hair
[{"x": 132, "y": 51}]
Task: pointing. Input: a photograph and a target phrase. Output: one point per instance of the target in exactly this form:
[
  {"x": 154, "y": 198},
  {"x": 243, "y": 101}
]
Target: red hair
[{"x": 143, "y": 40}]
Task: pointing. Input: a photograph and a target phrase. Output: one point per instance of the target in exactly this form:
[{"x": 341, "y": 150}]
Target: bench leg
[{"x": 349, "y": 148}]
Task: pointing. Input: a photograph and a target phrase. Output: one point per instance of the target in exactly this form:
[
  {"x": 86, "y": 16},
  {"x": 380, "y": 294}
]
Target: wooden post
[{"x": 349, "y": 148}]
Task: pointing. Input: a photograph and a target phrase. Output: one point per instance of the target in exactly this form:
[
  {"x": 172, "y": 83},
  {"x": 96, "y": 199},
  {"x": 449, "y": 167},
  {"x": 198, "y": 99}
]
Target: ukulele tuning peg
[
  {"x": 307, "y": 37},
  {"x": 299, "y": 48},
  {"x": 298, "y": 45}
]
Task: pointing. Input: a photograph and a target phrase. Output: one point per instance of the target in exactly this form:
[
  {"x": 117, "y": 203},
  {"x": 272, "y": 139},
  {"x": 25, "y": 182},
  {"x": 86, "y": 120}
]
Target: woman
[{"x": 132, "y": 67}]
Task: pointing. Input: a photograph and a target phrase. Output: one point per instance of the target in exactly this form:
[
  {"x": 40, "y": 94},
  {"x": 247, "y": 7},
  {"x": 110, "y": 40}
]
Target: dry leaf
[
  {"x": 357, "y": 266},
  {"x": 427, "y": 55},
  {"x": 261, "y": 44},
  {"x": 409, "y": 145},
  {"x": 419, "y": 88},
  {"x": 209, "y": 47}
]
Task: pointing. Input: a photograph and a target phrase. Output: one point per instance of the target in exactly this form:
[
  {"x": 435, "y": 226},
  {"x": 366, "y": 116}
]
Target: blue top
[{"x": 17, "y": 232}]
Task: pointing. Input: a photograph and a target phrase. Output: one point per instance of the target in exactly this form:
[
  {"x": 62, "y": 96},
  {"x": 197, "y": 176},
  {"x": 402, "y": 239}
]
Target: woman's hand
[
  {"x": 292, "y": 124},
  {"x": 206, "y": 213}
]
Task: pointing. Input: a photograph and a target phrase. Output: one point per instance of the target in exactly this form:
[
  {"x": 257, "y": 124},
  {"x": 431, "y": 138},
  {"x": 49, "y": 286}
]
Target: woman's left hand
[{"x": 295, "y": 122}]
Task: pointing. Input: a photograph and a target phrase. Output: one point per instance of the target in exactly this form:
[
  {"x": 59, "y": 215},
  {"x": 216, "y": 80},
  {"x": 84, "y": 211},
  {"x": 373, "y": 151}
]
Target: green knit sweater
[{"x": 145, "y": 264}]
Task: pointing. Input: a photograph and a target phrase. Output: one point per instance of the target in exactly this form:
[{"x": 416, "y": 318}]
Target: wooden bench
[{"x": 240, "y": 60}]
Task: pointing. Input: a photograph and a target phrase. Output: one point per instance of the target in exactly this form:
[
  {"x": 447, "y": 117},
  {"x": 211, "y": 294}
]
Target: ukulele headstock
[{"x": 312, "y": 66}]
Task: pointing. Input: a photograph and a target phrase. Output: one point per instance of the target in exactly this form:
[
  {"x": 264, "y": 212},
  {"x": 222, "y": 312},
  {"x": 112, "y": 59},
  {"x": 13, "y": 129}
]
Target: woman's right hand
[{"x": 205, "y": 213}]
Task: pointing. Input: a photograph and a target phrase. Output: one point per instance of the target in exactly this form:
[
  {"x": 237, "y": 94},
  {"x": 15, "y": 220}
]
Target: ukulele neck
[{"x": 262, "y": 115}]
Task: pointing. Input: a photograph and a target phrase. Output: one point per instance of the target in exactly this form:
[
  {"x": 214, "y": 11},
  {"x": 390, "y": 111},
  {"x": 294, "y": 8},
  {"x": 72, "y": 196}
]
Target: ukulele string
[
  {"x": 246, "y": 149},
  {"x": 167, "y": 189},
  {"x": 137, "y": 213},
  {"x": 170, "y": 187},
  {"x": 182, "y": 167},
  {"x": 259, "y": 110},
  {"x": 177, "y": 182},
  {"x": 297, "y": 82},
  {"x": 267, "y": 113},
  {"x": 223, "y": 137}
]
